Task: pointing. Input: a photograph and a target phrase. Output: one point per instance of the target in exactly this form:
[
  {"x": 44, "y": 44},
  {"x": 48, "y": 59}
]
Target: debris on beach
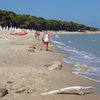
[
  {"x": 54, "y": 65},
  {"x": 18, "y": 32},
  {"x": 21, "y": 90},
  {"x": 33, "y": 47},
  {"x": 71, "y": 90},
  {"x": 3, "y": 92},
  {"x": 51, "y": 45},
  {"x": 31, "y": 50},
  {"x": 26, "y": 90},
  {"x": 9, "y": 82},
  {"x": 84, "y": 68}
]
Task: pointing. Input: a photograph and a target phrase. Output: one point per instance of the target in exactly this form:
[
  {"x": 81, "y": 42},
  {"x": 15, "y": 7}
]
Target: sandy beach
[{"x": 24, "y": 74}]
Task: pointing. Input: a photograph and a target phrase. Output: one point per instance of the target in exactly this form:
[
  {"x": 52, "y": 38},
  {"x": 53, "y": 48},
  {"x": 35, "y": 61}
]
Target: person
[
  {"x": 37, "y": 34},
  {"x": 45, "y": 39}
]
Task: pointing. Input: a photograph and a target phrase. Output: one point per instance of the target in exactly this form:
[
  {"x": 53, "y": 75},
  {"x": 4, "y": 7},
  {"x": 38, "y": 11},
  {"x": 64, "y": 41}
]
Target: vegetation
[{"x": 8, "y": 18}]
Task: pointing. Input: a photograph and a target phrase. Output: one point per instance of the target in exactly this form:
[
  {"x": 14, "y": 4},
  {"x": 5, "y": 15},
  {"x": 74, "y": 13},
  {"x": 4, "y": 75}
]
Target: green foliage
[{"x": 8, "y": 18}]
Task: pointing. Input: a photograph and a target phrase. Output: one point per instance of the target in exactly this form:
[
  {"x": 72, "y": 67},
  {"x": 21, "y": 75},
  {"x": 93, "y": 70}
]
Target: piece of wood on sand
[
  {"x": 54, "y": 65},
  {"x": 71, "y": 90}
]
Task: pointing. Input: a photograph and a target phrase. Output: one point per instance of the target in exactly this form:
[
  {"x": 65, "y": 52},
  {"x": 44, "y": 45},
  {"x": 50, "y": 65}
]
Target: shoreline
[
  {"x": 73, "y": 70},
  {"x": 94, "y": 83},
  {"x": 74, "y": 66},
  {"x": 25, "y": 68}
]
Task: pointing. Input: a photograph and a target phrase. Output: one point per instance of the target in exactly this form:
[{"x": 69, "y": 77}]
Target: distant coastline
[{"x": 75, "y": 32}]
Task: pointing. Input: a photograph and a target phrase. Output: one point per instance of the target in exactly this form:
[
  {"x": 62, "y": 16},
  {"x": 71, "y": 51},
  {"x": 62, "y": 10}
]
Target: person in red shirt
[{"x": 37, "y": 34}]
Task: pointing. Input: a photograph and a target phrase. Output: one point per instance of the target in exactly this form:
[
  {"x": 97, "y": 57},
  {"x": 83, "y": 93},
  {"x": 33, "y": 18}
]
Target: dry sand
[{"x": 23, "y": 73}]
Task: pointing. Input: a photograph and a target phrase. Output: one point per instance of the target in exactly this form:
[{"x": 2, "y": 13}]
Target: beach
[{"x": 24, "y": 74}]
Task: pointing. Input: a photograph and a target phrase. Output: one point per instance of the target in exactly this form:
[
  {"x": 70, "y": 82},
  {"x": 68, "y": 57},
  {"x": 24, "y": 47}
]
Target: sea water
[{"x": 83, "y": 51}]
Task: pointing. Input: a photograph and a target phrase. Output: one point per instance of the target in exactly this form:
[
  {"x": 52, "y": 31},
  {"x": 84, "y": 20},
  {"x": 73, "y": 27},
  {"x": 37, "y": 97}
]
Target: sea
[{"x": 82, "y": 51}]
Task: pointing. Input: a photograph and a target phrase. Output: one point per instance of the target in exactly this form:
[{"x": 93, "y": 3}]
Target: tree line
[{"x": 8, "y": 18}]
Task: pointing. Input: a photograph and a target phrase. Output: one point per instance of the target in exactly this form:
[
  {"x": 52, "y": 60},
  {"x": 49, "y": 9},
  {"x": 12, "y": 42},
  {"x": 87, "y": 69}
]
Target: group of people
[{"x": 45, "y": 38}]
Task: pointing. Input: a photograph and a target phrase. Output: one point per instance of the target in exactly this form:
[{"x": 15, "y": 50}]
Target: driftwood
[
  {"x": 54, "y": 65},
  {"x": 71, "y": 90}
]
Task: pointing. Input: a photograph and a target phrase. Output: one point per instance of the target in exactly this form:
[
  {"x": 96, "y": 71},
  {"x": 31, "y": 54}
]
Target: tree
[{"x": 8, "y": 18}]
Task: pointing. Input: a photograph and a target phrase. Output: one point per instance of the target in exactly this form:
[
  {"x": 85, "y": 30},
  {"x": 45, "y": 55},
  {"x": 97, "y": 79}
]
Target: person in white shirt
[{"x": 45, "y": 39}]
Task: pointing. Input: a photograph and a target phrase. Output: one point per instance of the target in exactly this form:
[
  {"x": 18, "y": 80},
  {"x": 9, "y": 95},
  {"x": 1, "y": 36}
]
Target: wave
[
  {"x": 90, "y": 78},
  {"x": 56, "y": 42},
  {"x": 69, "y": 41}
]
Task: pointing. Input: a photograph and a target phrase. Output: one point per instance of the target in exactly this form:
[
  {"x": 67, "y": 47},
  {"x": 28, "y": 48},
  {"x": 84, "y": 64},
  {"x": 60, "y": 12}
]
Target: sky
[{"x": 80, "y": 11}]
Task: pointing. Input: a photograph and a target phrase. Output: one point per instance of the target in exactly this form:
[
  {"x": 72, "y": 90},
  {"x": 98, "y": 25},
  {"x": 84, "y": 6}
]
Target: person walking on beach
[
  {"x": 37, "y": 34},
  {"x": 45, "y": 39}
]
